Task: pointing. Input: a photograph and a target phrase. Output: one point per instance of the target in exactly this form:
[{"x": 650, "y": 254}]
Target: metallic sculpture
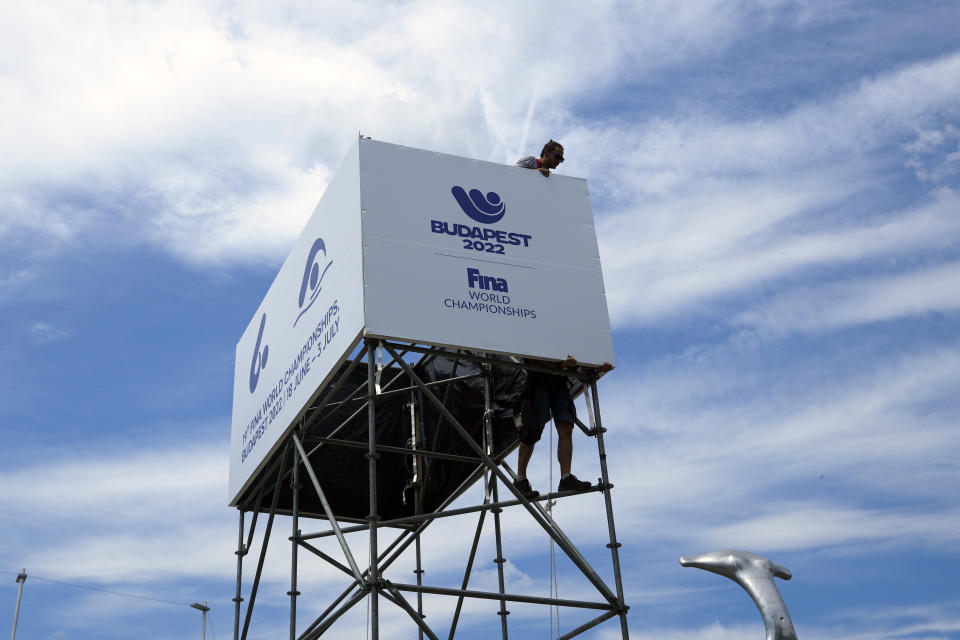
[{"x": 755, "y": 575}]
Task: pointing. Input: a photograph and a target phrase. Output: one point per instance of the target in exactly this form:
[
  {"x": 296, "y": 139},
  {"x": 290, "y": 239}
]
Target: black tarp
[{"x": 343, "y": 471}]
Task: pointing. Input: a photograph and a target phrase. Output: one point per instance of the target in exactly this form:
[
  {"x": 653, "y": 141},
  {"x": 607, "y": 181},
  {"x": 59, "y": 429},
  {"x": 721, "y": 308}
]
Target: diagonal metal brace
[
  {"x": 398, "y": 599},
  {"x": 326, "y": 624},
  {"x": 326, "y": 507},
  {"x": 320, "y": 554},
  {"x": 588, "y": 625}
]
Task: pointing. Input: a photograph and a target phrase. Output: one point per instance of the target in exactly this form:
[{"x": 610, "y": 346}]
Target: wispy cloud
[
  {"x": 726, "y": 207},
  {"x": 859, "y": 301},
  {"x": 793, "y": 526},
  {"x": 13, "y": 279},
  {"x": 935, "y": 153},
  {"x": 707, "y": 466},
  {"x": 121, "y": 509},
  {"x": 212, "y": 133},
  {"x": 43, "y": 333}
]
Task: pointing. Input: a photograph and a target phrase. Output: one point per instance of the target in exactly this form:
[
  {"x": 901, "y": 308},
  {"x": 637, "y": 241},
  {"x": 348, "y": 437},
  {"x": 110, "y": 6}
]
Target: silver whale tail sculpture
[{"x": 755, "y": 575}]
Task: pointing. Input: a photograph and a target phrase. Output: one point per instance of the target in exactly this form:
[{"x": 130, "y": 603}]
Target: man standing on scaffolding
[{"x": 546, "y": 394}]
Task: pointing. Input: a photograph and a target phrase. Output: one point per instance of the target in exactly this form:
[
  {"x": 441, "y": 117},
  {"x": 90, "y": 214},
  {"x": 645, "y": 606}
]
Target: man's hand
[
  {"x": 568, "y": 362},
  {"x": 544, "y": 171}
]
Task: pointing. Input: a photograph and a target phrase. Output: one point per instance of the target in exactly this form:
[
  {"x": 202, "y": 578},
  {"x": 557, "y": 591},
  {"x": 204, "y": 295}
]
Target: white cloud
[
  {"x": 705, "y": 444},
  {"x": 935, "y": 153},
  {"x": 120, "y": 512},
  {"x": 43, "y": 332},
  {"x": 827, "y": 131},
  {"x": 707, "y": 209},
  {"x": 791, "y": 526},
  {"x": 14, "y": 279},
  {"x": 859, "y": 301},
  {"x": 213, "y": 130}
]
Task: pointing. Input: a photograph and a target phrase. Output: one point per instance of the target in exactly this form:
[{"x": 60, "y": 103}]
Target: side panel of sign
[
  {"x": 480, "y": 255},
  {"x": 304, "y": 327}
]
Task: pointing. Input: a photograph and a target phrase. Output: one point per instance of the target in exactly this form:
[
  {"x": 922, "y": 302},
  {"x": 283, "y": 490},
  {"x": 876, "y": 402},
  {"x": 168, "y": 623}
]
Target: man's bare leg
[
  {"x": 524, "y": 451},
  {"x": 564, "y": 446}
]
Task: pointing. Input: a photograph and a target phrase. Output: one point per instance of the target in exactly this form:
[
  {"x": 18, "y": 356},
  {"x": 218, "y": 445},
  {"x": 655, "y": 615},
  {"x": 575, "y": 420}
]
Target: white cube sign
[{"x": 422, "y": 247}]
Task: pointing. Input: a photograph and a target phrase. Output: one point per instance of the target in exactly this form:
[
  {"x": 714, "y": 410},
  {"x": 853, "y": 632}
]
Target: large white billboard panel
[
  {"x": 480, "y": 255},
  {"x": 424, "y": 247},
  {"x": 306, "y": 325}
]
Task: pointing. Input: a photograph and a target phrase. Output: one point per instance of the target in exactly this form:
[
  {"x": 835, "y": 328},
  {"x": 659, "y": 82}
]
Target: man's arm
[
  {"x": 529, "y": 162},
  {"x": 568, "y": 363}
]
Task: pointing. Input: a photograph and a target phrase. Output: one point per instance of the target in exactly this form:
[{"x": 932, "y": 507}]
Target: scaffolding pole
[
  {"x": 613, "y": 545},
  {"x": 372, "y": 455},
  {"x": 294, "y": 545}
]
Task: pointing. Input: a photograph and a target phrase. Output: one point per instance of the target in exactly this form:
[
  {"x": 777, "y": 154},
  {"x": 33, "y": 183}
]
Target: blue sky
[{"x": 775, "y": 186}]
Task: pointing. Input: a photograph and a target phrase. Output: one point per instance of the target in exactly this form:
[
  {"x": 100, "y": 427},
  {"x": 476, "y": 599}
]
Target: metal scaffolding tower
[{"x": 292, "y": 474}]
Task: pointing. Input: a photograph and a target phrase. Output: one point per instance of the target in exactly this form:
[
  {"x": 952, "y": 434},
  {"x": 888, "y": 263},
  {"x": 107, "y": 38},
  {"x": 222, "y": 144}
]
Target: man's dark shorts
[{"x": 546, "y": 395}]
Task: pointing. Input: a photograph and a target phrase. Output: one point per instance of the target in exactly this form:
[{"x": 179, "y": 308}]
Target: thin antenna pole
[
  {"x": 203, "y": 623},
  {"x": 21, "y": 578}
]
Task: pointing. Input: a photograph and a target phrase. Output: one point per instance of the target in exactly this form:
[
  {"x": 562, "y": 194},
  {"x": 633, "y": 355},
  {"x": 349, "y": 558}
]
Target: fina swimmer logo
[
  {"x": 259, "y": 357},
  {"x": 312, "y": 276},
  {"x": 484, "y": 209}
]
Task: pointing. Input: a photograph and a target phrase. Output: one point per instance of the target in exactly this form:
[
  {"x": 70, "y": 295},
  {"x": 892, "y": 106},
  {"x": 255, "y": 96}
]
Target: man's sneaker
[
  {"x": 571, "y": 483},
  {"x": 523, "y": 486}
]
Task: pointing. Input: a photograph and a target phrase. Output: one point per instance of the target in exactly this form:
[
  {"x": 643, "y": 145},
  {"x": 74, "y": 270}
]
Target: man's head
[{"x": 552, "y": 154}]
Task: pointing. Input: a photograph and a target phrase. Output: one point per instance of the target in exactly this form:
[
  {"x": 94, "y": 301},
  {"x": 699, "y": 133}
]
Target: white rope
[
  {"x": 376, "y": 380},
  {"x": 554, "y": 590}
]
